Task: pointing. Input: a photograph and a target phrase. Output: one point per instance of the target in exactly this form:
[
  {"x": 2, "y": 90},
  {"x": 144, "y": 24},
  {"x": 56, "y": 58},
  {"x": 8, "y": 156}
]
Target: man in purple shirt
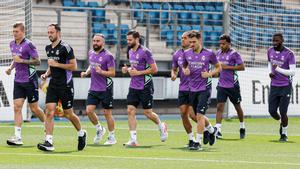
[
  {"x": 142, "y": 66},
  {"x": 102, "y": 68},
  {"x": 198, "y": 61},
  {"x": 228, "y": 86},
  {"x": 25, "y": 58},
  {"x": 184, "y": 90},
  {"x": 282, "y": 66}
]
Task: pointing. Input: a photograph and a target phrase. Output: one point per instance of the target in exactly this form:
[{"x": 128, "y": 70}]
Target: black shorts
[
  {"x": 200, "y": 101},
  {"x": 105, "y": 97},
  {"x": 183, "y": 98},
  {"x": 144, "y": 96},
  {"x": 233, "y": 94},
  {"x": 279, "y": 98},
  {"x": 65, "y": 94},
  {"x": 27, "y": 90}
]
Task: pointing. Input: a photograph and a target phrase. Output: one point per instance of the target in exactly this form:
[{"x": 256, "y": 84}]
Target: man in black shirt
[{"x": 61, "y": 63}]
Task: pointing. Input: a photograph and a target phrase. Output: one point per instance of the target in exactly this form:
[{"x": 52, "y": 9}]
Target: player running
[
  {"x": 25, "y": 58},
  {"x": 282, "y": 67},
  {"x": 102, "y": 68},
  {"x": 142, "y": 66}
]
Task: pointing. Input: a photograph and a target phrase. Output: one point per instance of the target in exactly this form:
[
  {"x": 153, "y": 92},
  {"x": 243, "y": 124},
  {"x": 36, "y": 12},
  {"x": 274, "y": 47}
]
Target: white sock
[
  {"x": 210, "y": 129},
  {"x": 191, "y": 136},
  {"x": 111, "y": 134},
  {"x": 81, "y": 133},
  {"x": 160, "y": 126},
  {"x": 133, "y": 136},
  {"x": 218, "y": 125},
  {"x": 98, "y": 127},
  {"x": 49, "y": 138},
  {"x": 18, "y": 131},
  {"x": 199, "y": 138},
  {"x": 242, "y": 125},
  {"x": 284, "y": 130}
]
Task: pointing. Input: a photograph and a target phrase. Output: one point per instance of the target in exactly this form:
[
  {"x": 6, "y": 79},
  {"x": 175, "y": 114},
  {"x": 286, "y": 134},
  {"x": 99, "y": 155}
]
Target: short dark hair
[
  {"x": 56, "y": 27},
  {"x": 195, "y": 34},
  {"x": 225, "y": 37},
  {"x": 134, "y": 33},
  {"x": 278, "y": 35},
  {"x": 20, "y": 25}
]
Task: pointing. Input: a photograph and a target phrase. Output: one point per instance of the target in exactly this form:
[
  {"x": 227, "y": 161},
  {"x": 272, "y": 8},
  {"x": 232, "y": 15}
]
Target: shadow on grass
[
  {"x": 205, "y": 149},
  {"x": 59, "y": 152},
  {"x": 20, "y": 146},
  {"x": 281, "y": 142},
  {"x": 229, "y": 139}
]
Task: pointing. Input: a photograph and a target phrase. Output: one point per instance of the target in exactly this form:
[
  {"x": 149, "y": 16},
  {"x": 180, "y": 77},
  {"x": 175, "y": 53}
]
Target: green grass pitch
[{"x": 260, "y": 149}]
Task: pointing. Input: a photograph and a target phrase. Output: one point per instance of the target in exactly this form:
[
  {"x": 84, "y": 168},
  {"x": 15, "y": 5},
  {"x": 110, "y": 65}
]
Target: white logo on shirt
[
  {"x": 20, "y": 49},
  {"x": 203, "y": 58},
  {"x": 137, "y": 56},
  {"x": 282, "y": 57},
  {"x": 57, "y": 52}
]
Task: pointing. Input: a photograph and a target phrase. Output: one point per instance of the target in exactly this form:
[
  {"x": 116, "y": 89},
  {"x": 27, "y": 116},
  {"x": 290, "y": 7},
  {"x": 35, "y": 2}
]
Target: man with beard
[
  {"x": 102, "y": 68},
  {"x": 228, "y": 86},
  {"x": 25, "y": 58},
  {"x": 142, "y": 66},
  {"x": 61, "y": 63},
  {"x": 197, "y": 65},
  {"x": 282, "y": 66},
  {"x": 184, "y": 89}
]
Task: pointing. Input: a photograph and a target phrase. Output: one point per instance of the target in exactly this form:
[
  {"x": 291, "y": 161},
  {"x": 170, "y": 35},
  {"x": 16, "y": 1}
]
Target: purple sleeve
[
  {"x": 238, "y": 59},
  {"x": 292, "y": 60},
  {"x": 213, "y": 58},
  {"x": 174, "y": 61},
  {"x": 111, "y": 62},
  {"x": 32, "y": 51},
  {"x": 149, "y": 57}
]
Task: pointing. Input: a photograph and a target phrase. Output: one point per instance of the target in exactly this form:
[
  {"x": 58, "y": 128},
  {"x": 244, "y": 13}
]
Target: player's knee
[
  {"x": 89, "y": 111},
  {"x": 107, "y": 114},
  {"x": 131, "y": 111},
  {"x": 147, "y": 112}
]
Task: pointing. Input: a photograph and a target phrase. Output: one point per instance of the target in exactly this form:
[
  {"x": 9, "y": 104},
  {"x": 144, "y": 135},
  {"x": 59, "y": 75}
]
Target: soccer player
[
  {"x": 102, "y": 68},
  {"x": 197, "y": 65},
  {"x": 61, "y": 63},
  {"x": 25, "y": 58},
  {"x": 183, "y": 95},
  {"x": 141, "y": 86},
  {"x": 282, "y": 66},
  {"x": 228, "y": 86}
]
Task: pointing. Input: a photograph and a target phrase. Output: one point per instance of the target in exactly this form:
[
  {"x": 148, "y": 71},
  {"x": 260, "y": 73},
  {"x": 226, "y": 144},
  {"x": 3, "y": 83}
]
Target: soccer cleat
[
  {"x": 131, "y": 143},
  {"x": 81, "y": 142},
  {"x": 46, "y": 146},
  {"x": 219, "y": 135},
  {"x": 164, "y": 132},
  {"x": 196, "y": 147},
  {"x": 283, "y": 138},
  {"x": 14, "y": 141},
  {"x": 242, "y": 133},
  {"x": 111, "y": 140},
  {"x": 99, "y": 135},
  {"x": 212, "y": 137},
  {"x": 205, "y": 137},
  {"x": 189, "y": 144}
]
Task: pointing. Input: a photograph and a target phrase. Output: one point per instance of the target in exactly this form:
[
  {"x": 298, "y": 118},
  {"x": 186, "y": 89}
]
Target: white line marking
[{"x": 155, "y": 158}]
